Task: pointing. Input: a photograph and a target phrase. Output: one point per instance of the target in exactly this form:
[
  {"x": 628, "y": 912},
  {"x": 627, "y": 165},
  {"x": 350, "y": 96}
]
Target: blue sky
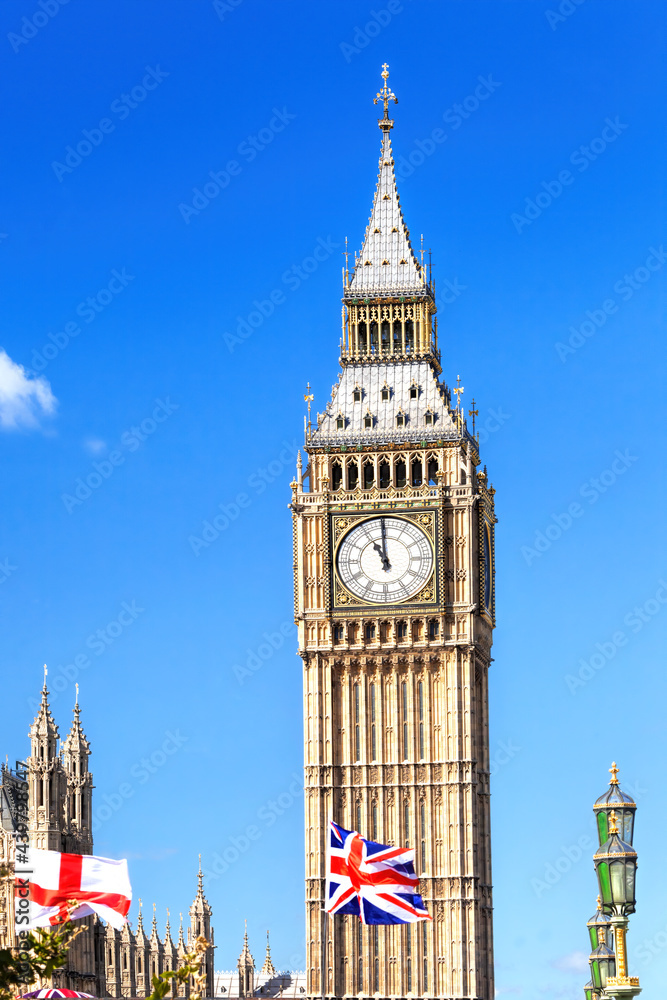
[{"x": 543, "y": 206}]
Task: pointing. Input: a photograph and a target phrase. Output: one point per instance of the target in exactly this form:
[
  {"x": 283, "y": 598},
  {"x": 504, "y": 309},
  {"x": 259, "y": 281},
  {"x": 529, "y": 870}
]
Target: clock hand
[
  {"x": 382, "y": 556},
  {"x": 387, "y": 564}
]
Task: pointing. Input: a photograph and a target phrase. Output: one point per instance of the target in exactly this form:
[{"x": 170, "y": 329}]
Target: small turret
[
  {"x": 200, "y": 926},
  {"x": 170, "y": 958},
  {"x": 46, "y": 780},
  {"x": 142, "y": 953},
  {"x": 246, "y": 967},
  {"x": 156, "y": 949},
  {"x": 79, "y": 796}
]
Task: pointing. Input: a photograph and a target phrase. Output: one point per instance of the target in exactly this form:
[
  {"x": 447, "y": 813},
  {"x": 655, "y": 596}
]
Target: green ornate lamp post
[
  {"x": 602, "y": 960},
  {"x": 616, "y": 869}
]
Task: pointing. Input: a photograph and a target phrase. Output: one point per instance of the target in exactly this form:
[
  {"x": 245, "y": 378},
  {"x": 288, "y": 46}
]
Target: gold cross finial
[
  {"x": 613, "y": 770},
  {"x": 385, "y": 95},
  {"x": 613, "y": 825}
]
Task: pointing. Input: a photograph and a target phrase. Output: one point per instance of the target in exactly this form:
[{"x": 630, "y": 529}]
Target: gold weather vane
[
  {"x": 458, "y": 389},
  {"x": 473, "y": 413},
  {"x": 385, "y": 95},
  {"x": 309, "y": 397}
]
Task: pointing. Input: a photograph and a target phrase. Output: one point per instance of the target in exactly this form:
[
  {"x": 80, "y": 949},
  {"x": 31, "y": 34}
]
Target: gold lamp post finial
[
  {"x": 385, "y": 95},
  {"x": 613, "y": 824},
  {"x": 613, "y": 770}
]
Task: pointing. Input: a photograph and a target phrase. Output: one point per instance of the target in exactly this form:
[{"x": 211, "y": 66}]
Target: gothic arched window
[
  {"x": 369, "y": 475},
  {"x": 385, "y": 475},
  {"x": 400, "y": 474}
]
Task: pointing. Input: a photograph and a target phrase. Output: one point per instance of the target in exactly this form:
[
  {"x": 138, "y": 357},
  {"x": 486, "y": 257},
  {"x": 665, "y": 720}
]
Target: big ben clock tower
[{"x": 394, "y": 593}]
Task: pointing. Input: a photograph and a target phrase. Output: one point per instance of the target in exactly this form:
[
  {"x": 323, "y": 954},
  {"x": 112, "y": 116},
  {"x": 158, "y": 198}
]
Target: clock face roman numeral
[{"x": 384, "y": 560}]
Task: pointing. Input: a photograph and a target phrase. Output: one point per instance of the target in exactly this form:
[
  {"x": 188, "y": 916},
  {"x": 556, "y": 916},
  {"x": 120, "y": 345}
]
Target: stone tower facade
[
  {"x": 50, "y": 796},
  {"x": 394, "y": 593}
]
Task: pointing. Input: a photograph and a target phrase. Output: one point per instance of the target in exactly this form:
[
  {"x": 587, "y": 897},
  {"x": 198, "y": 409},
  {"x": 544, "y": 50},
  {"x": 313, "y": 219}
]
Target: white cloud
[
  {"x": 576, "y": 961},
  {"x": 95, "y": 446},
  {"x": 24, "y": 399}
]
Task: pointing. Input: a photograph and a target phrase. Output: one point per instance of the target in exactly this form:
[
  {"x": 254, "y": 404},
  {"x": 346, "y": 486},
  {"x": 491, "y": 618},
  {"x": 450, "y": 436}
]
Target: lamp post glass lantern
[
  {"x": 603, "y": 966},
  {"x": 600, "y": 922},
  {"x": 615, "y": 800},
  {"x": 616, "y": 868}
]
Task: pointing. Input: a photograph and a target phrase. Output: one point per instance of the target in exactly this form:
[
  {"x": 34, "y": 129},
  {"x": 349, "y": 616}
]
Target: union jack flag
[{"x": 373, "y": 881}]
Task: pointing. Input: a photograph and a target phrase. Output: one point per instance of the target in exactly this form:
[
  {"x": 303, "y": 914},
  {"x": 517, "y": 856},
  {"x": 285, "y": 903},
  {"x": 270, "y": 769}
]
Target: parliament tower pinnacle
[{"x": 394, "y": 602}]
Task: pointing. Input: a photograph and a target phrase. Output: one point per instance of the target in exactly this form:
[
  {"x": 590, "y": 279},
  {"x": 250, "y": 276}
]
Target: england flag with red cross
[
  {"x": 376, "y": 882},
  {"x": 48, "y": 882}
]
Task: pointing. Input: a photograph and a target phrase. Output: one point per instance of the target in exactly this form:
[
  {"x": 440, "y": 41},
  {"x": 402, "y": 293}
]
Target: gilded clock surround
[
  {"x": 396, "y": 740},
  {"x": 341, "y": 525}
]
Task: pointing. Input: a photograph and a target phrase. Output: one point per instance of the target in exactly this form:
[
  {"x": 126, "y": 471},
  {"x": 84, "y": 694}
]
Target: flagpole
[{"x": 325, "y": 933}]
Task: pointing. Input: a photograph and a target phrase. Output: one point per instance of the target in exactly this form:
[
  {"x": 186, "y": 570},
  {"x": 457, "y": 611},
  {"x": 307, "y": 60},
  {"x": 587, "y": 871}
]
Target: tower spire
[
  {"x": 268, "y": 969},
  {"x": 44, "y": 731},
  {"x": 387, "y": 265}
]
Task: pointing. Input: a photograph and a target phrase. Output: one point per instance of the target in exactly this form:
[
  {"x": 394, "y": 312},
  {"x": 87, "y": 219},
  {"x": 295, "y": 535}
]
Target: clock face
[
  {"x": 385, "y": 560},
  {"x": 487, "y": 569}
]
